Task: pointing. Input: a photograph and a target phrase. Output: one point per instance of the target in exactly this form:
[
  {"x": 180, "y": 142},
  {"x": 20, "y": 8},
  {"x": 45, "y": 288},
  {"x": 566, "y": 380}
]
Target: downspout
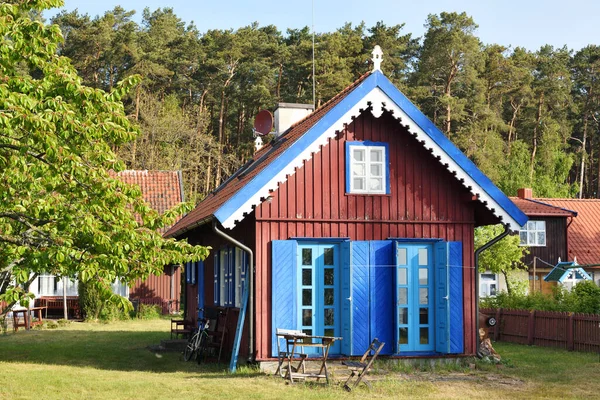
[
  {"x": 477, "y": 253},
  {"x": 251, "y": 286},
  {"x": 567, "y": 236}
]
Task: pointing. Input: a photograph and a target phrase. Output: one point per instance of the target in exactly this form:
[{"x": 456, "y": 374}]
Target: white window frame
[
  {"x": 367, "y": 165},
  {"x": 529, "y": 234},
  {"x": 486, "y": 282},
  {"x": 223, "y": 259}
]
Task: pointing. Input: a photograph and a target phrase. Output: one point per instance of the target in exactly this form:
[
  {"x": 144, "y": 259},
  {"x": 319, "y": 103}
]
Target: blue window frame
[
  {"x": 367, "y": 168},
  {"x": 319, "y": 311},
  {"x": 190, "y": 272},
  {"x": 414, "y": 297}
]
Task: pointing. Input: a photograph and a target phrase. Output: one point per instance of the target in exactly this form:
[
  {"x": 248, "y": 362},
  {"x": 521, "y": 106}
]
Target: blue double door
[{"x": 318, "y": 295}]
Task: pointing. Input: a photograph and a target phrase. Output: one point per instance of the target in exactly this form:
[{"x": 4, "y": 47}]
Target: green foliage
[
  {"x": 149, "y": 311},
  {"x": 60, "y": 212},
  {"x": 526, "y": 118},
  {"x": 503, "y": 257},
  {"x": 583, "y": 298}
]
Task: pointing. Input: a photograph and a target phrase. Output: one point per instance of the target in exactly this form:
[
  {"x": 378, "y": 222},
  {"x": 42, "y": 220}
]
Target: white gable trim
[{"x": 380, "y": 101}]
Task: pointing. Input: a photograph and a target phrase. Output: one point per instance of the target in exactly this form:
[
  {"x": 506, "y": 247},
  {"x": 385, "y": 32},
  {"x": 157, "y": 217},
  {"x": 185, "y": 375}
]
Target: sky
[{"x": 525, "y": 23}]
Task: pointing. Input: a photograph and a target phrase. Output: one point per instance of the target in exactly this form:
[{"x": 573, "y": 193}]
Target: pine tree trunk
[
  {"x": 513, "y": 121},
  {"x": 535, "y": 137},
  {"x": 137, "y": 118},
  {"x": 583, "y": 144}
]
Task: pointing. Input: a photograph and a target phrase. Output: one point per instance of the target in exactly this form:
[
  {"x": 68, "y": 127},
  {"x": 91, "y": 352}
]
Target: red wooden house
[
  {"x": 566, "y": 230},
  {"x": 360, "y": 219},
  {"x": 162, "y": 190}
]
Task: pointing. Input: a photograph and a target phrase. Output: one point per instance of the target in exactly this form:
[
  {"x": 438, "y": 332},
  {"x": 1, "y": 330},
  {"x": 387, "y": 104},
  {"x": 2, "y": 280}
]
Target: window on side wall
[
  {"x": 488, "y": 285},
  {"x": 367, "y": 168},
  {"x": 533, "y": 234},
  {"x": 229, "y": 277}
]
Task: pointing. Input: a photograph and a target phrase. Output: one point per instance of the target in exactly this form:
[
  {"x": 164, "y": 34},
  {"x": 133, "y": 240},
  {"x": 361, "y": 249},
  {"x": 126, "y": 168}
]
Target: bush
[
  {"x": 97, "y": 305},
  {"x": 147, "y": 311},
  {"x": 583, "y": 298},
  {"x": 90, "y": 300}
]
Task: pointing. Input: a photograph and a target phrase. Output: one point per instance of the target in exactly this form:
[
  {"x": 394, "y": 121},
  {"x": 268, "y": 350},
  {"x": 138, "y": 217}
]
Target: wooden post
[
  {"x": 531, "y": 328},
  {"x": 570, "y": 338},
  {"x": 497, "y": 327},
  {"x": 534, "y": 274},
  {"x": 66, "y": 315}
]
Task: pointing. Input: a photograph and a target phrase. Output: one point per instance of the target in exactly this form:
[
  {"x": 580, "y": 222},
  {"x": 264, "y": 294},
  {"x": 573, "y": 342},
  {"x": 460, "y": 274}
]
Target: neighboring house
[
  {"x": 545, "y": 235},
  {"x": 572, "y": 231},
  {"x": 162, "y": 190},
  {"x": 360, "y": 218}
]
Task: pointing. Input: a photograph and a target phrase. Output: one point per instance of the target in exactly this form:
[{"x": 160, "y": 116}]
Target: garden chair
[{"x": 362, "y": 367}]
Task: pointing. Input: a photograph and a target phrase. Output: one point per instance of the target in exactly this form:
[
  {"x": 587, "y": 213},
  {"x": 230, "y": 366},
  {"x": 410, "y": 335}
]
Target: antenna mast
[{"x": 313, "y": 53}]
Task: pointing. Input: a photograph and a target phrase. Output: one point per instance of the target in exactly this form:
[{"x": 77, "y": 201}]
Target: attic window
[
  {"x": 533, "y": 234},
  {"x": 367, "y": 168}
]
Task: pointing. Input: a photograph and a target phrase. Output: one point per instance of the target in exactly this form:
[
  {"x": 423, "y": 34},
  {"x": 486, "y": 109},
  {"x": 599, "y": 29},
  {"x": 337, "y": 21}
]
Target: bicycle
[{"x": 197, "y": 343}]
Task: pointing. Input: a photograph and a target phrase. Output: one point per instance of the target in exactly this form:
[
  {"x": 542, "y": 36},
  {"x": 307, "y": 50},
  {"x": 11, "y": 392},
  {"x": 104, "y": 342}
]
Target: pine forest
[{"x": 526, "y": 118}]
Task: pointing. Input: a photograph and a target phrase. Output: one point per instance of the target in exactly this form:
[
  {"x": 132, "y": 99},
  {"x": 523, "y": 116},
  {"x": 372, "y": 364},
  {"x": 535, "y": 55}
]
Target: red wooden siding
[
  {"x": 205, "y": 236},
  {"x": 426, "y": 201},
  {"x": 165, "y": 287}
]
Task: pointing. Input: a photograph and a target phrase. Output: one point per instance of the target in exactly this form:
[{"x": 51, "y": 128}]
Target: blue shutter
[
  {"x": 200, "y": 280},
  {"x": 360, "y": 298},
  {"x": 346, "y": 299},
  {"x": 283, "y": 288},
  {"x": 187, "y": 272},
  {"x": 382, "y": 292},
  {"x": 455, "y": 278},
  {"x": 449, "y": 298},
  {"x": 216, "y": 278},
  {"x": 193, "y": 271},
  {"x": 442, "y": 296}
]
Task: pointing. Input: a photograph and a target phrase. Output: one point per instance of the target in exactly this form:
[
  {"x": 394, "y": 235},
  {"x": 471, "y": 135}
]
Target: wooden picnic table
[
  {"x": 27, "y": 323},
  {"x": 297, "y": 341}
]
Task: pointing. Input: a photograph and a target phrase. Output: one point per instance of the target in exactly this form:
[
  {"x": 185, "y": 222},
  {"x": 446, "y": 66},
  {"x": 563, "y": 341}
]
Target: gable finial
[{"x": 377, "y": 58}]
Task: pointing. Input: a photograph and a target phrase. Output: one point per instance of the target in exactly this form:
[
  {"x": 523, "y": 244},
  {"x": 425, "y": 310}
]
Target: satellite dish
[{"x": 263, "y": 123}]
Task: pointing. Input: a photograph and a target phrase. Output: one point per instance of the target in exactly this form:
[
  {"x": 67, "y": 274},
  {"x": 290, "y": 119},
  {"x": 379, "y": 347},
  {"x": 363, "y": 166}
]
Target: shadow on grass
[{"x": 109, "y": 350}]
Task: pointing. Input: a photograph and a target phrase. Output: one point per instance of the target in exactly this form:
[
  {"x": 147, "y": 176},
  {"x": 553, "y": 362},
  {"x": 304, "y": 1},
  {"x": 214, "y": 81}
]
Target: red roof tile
[
  {"x": 161, "y": 189},
  {"x": 210, "y": 204},
  {"x": 584, "y": 231},
  {"x": 540, "y": 207}
]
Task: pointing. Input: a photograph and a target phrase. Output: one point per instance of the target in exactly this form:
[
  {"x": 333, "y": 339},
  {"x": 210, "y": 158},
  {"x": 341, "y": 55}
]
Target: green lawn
[{"x": 110, "y": 361}]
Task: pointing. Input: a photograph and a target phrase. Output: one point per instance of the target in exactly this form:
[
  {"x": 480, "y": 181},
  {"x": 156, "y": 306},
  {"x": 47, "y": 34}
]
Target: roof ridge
[{"x": 566, "y": 199}]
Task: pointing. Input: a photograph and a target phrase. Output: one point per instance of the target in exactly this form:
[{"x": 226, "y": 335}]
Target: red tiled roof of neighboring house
[
  {"x": 205, "y": 209},
  {"x": 161, "y": 189},
  {"x": 540, "y": 207},
  {"x": 584, "y": 231}
]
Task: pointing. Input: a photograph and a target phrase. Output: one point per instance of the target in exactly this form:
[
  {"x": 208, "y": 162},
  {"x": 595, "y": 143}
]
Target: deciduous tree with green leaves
[
  {"x": 503, "y": 257},
  {"x": 60, "y": 212}
]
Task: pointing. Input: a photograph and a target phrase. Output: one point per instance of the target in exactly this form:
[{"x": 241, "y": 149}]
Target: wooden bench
[
  {"x": 181, "y": 327},
  {"x": 55, "y": 305}
]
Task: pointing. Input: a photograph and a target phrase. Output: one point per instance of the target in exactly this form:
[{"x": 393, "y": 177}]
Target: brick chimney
[{"x": 525, "y": 193}]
